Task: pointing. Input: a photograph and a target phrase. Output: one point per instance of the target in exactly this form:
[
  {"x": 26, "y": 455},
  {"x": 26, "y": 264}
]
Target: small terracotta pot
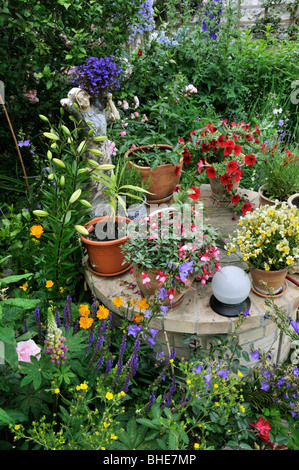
[
  {"x": 263, "y": 199},
  {"x": 274, "y": 280},
  {"x": 293, "y": 200},
  {"x": 154, "y": 286},
  {"x": 105, "y": 258},
  {"x": 163, "y": 178}
]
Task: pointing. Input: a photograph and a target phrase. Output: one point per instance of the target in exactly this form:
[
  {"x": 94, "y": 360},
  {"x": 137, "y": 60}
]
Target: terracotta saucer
[{"x": 275, "y": 295}]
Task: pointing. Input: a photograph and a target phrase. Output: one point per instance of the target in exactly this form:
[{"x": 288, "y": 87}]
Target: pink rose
[
  {"x": 122, "y": 133},
  {"x": 28, "y": 348},
  {"x": 125, "y": 104}
]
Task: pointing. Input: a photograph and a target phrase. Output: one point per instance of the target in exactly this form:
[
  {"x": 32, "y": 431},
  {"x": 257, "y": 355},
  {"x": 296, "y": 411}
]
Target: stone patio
[{"x": 195, "y": 316}]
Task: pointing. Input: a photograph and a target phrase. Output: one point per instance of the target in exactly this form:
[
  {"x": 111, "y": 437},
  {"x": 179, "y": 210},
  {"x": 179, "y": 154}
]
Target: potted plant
[
  {"x": 268, "y": 242},
  {"x": 104, "y": 236},
  {"x": 168, "y": 250},
  {"x": 280, "y": 175},
  {"x": 222, "y": 150},
  {"x": 160, "y": 164}
]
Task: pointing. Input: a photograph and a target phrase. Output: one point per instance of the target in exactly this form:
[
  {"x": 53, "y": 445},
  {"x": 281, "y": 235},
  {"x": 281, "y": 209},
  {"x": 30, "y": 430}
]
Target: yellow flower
[
  {"x": 85, "y": 322},
  {"x": 36, "y": 231},
  {"x": 138, "y": 318},
  {"x": 171, "y": 360},
  {"x": 109, "y": 396},
  {"x": 102, "y": 313},
  {"x": 216, "y": 385},
  {"x": 84, "y": 310},
  {"x": 61, "y": 290},
  {"x": 188, "y": 381},
  {"x": 240, "y": 374},
  {"x": 242, "y": 408},
  {"x": 142, "y": 304},
  {"x": 121, "y": 394},
  {"x": 196, "y": 445},
  {"x": 118, "y": 301},
  {"x": 113, "y": 436},
  {"x": 24, "y": 286},
  {"x": 49, "y": 284},
  {"x": 17, "y": 427},
  {"x": 56, "y": 390},
  {"x": 106, "y": 424},
  {"x": 84, "y": 386}
]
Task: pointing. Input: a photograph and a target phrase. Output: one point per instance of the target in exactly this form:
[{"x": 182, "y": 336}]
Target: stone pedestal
[{"x": 195, "y": 316}]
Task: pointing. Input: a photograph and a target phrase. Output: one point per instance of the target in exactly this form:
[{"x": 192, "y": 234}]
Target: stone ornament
[{"x": 93, "y": 113}]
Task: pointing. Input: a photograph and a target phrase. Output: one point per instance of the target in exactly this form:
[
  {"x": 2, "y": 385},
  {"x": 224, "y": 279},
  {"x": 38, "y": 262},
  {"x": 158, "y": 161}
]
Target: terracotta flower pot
[
  {"x": 293, "y": 200},
  {"x": 105, "y": 258},
  {"x": 153, "y": 286},
  {"x": 264, "y": 200},
  {"x": 163, "y": 179},
  {"x": 274, "y": 280}
]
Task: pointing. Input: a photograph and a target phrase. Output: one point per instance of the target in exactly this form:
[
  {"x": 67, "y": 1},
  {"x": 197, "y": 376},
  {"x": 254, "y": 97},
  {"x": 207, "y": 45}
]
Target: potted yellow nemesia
[{"x": 268, "y": 241}]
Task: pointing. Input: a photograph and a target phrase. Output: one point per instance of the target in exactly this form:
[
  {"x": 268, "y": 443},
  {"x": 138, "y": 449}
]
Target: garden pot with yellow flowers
[{"x": 268, "y": 243}]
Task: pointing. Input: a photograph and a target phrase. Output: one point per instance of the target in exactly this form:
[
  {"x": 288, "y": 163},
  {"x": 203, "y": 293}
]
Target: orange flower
[
  {"x": 24, "y": 286},
  {"x": 142, "y": 304},
  {"x": 138, "y": 318},
  {"x": 85, "y": 322},
  {"x": 49, "y": 284},
  {"x": 118, "y": 301},
  {"x": 102, "y": 313},
  {"x": 84, "y": 310},
  {"x": 36, "y": 231}
]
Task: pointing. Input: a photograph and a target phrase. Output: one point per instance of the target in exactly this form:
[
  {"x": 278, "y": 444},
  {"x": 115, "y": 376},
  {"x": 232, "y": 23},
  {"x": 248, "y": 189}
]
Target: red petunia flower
[
  {"x": 231, "y": 167},
  {"x": 196, "y": 193},
  {"x": 176, "y": 189},
  {"x": 229, "y": 147},
  {"x": 177, "y": 170},
  {"x": 221, "y": 141},
  {"x": 205, "y": 147},
  {"x": 187, "y": 157},
  {"x": 250, "y": 159},
  {"x": 213, "y": 143},
  {"x": 211, "y": 172},
  {"x": 257, "y": 130},
  {"x": 237, "y": 149},
  {"x": 181, "y": 140},
  {"x": 235, "y": 198},
  {"x": 211, "y": 128},
  {"x": 139, "y": 53},
  {"x": 238, "y": 175},
  {"x": 247, "y": 207},
  {"x": 229, "y": 187},
  {"x": 248, "y": 137},
  {"x": 225, "y": 179}
]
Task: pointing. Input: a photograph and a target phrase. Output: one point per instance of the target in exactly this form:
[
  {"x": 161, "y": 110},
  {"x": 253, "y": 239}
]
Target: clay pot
[
  {"x": 274, "y": 280},
  {"x": 154, "y": 286},
  {"x": 163, "y": 178},
  {"x": 105, "y": 258},
  {"x": 293, "y": 200},
  {"x": 263, "y": 199}
]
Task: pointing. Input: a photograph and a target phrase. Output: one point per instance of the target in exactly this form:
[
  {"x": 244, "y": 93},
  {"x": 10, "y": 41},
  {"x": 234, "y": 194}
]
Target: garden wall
[{"x": 252, "y": 12}]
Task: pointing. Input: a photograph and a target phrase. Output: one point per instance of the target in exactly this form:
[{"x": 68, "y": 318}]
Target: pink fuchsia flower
[
  {"x": 161, "y": 277},
  {"x": 145, "y": 279},
  {"x": 26, "y": 349}
]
